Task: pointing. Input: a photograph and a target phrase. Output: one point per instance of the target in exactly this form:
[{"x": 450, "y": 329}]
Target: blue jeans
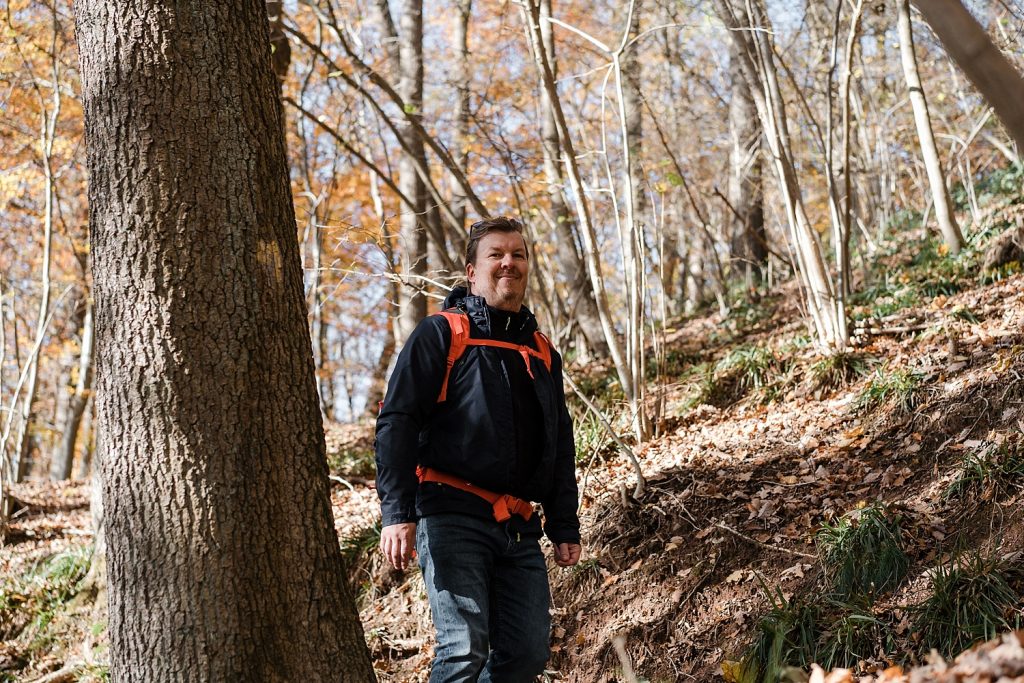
[{"x": 489, "y": 597}]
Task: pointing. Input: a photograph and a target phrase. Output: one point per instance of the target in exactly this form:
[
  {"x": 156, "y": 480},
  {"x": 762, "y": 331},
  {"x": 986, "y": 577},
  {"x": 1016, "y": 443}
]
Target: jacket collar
[{"x": 479, "y": 312}]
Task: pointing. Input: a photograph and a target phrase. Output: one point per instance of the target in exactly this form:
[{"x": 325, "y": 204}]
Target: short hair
[{"x": 487, "y": 226}]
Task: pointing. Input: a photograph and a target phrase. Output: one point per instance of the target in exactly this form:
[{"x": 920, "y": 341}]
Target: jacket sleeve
[
  {"x": 412, "y": 393},
  {"x": 561, "y": 521}
]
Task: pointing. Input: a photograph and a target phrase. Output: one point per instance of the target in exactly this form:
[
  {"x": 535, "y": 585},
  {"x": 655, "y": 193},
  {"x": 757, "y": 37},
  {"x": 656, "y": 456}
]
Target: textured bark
[
  {"x": 746, "y": 220},
  {"x": 76, "y": 397},
  {"x": 462, "y": 78},
  {"x": 222, "y": 560},
  {"x": 974, "y": 52},
  {"x": 929, "y": 151},
  {"x": 633, "y": 104},
  {"x": 581, "y": 300},
  {"x": 412, "y": 237}
]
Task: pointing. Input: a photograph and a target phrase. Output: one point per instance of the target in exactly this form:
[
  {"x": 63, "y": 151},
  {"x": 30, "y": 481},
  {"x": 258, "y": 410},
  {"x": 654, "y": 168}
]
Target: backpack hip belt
[{"x": 503, "y": 504}]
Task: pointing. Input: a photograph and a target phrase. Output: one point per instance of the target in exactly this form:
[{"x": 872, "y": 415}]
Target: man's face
[{"x": 500, "y": 271}]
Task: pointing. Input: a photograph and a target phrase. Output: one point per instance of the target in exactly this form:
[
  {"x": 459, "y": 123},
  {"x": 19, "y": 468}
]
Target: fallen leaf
[{"x": 731, "y": 671}]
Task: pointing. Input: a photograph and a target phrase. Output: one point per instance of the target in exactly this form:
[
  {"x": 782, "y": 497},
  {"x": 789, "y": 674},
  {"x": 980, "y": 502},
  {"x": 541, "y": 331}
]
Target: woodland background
[{"x": 711, "y": 189}]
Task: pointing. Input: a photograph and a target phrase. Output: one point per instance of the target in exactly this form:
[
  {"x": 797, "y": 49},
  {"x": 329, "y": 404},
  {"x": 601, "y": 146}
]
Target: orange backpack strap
[
  {"x": 459, "y": 324},
  {"x": 544, "y": 346}
]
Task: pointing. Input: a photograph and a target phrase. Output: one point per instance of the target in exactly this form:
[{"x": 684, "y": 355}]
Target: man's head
[{"x": 498, "y": 262}]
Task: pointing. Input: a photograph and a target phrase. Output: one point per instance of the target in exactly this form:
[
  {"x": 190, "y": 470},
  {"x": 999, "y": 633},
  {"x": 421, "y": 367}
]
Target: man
[{"x": 488, "y": 433}]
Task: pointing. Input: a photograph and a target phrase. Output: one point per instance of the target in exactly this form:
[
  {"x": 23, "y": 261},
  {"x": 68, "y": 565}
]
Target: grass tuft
[
  {"x": 987, "y": 474},
  {"x": 786, "y": 637},
  {"x": 863, "y": 552},
  {"x": 897, "y": 386},
  {"x": 352, "y": 463},
  {"x": 838, "y": 369},
  {"x": 745, "y": 369},
  {"x": 853, "y": 635},
  {"x": 973, "y": 598}
]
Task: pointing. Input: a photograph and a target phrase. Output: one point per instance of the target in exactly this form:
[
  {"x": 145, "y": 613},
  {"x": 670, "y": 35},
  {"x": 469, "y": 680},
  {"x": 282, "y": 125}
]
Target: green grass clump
[
  {"x": 752, "y": 367},
  {"x": 786, "y": 636},
  {"x": 836, "y": 370},
  {"x": 853, "y": 635},
  {"x": 746, "y": 368},
  {"x": 863, "y": 552},
  {"x": 898, "y": 386},
  {"x": 974, "y": 597},
  {"x": 676, "y": 363},
  {"x": 999, "y": 273},
  {"x": 984, "y": 475},
  {"x": 965, "y": 314},
  {"x": 1002, "y": 182},
  {"x": 352, "y": 462},
  {"x": 30, "y": 604},
  {"x": 591, "y": 436},
  {"x": 361, "y": 558}
]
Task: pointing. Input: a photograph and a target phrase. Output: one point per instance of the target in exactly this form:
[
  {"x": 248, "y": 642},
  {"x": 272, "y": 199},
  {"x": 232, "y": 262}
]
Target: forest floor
[{"x": 858, "y": 511}]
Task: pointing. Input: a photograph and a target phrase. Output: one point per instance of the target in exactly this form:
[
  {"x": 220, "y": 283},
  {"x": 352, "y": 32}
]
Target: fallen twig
[
  {"x": 762, "y": 543},
  {"x": 65, "y": 674}
]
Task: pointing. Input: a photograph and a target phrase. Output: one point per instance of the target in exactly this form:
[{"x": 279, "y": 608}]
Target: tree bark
[
  {"x": 461, "y": 80},
  {"x": 746, "y": 220},
  {"x": 412, "y": 237},
  {"x": 988, "y": 69},
  {"x": 223, "y": 563}
]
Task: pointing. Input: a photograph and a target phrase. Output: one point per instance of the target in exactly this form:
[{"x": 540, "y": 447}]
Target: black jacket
[{"x": 472, "y": 433}]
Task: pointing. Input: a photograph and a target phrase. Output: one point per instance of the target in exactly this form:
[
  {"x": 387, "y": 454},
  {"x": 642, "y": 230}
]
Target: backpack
[{"x": 459, "y": 323}]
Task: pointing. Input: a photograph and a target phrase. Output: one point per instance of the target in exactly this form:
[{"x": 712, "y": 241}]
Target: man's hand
[
  {"x": 398, "y": 543},
  {"x": 567, "y": 554}
]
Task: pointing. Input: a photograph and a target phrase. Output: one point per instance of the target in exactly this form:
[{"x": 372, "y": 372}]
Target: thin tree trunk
[
  {"x": 587, "y": 231},
  {"x": 746, "y": 221},
  {"x": 462, "y": 80},
  {"x": 580, "y": 299},
  {"x": 756, "y": 58},
  {"x": 628, "y": 78},
  {"x": 223, "y": 563},
  {"x": 951, "y": 234},
  {"x": 412, "y": 238},
  {"x": 60, "y": 465},
  {"x": 48, "y": 123}
]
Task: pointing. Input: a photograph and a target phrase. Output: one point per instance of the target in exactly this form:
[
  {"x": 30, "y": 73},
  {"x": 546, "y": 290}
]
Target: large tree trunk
[
  {"x": 936, "y": 180},
  {"x": 76, "y": 400},
  {"x": 223, "y": 563},
  {"x": 580, "y": 296},
  {"x": 746, "y": 219},
  {"x": 412, "y": 238},
  {"x": 970, "y": 47}
]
